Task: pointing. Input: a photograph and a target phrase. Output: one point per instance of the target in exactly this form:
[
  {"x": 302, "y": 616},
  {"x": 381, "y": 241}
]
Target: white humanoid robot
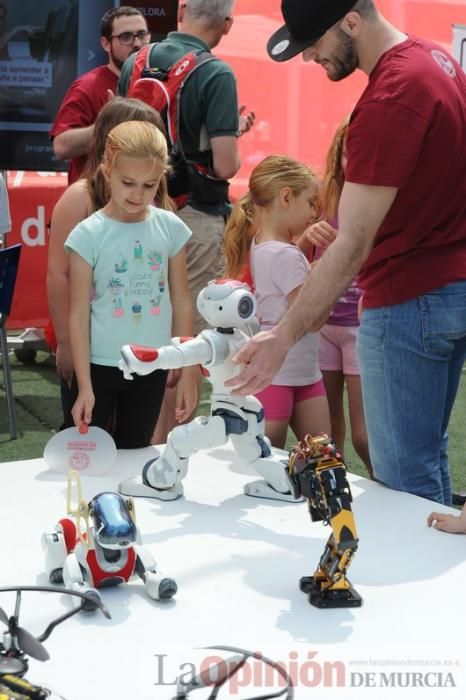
[
  {"x": 230, "y": 307},
  {"x": 106, "y": 553}
]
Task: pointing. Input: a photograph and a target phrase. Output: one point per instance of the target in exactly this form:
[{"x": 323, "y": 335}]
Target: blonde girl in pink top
[{"x": 280, "y": 204}]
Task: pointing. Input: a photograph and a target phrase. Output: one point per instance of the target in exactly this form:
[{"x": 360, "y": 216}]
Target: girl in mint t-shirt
[
  {"x": 131, "y": 256},
  {"x": 280, "y": 204}
]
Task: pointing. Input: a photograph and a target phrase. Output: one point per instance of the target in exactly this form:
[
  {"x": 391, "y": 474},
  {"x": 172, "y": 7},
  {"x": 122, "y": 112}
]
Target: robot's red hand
[{"x": 144, "y": 354}]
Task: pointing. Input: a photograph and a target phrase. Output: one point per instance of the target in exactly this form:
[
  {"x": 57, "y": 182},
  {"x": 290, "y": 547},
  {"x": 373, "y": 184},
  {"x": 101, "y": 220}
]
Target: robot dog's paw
[
  {"x": 56, "y": 576},
  {"x": 159, "y": 587},
  {"x": 92, "y": 594},
  {"x": 167, "y": 588}
]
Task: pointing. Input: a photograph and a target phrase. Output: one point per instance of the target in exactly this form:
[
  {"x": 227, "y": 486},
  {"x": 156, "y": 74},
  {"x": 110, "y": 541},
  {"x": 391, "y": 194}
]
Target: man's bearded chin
[
  {"x": 345, "y": 59},
  {"x": 119, "y": 63}
]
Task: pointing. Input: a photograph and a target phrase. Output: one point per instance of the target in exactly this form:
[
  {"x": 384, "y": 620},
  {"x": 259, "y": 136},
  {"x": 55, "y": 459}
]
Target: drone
[{"x": 18, "y": 644}]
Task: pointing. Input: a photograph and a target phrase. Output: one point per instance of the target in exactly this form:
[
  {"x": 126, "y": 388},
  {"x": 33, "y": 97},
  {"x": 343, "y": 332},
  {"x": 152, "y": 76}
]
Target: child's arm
[
  {"x": 183, "y": 326},
  {"x": 80, "y": 294},
  {"x": 447, "y": 522},
  {"x": 71, "y": 208},
  {"x": 320, "y": 234}
]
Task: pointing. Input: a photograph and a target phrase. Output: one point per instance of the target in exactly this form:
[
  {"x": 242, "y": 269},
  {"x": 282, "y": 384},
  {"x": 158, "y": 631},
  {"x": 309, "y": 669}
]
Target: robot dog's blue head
[{"x": 114, "y": 526}]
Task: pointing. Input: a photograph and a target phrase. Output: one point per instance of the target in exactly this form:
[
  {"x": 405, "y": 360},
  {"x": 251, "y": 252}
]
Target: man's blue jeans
[{"x": 411, "y": 357}]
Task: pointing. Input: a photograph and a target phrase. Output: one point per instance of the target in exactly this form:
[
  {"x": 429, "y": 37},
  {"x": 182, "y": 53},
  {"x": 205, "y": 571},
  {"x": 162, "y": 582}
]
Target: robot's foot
[
  {"x": 328, "y": 598},
  {"x": 136, "y": 487},
  {"x": 167, "y": 588},
  {"x": 261, "y": 489}
]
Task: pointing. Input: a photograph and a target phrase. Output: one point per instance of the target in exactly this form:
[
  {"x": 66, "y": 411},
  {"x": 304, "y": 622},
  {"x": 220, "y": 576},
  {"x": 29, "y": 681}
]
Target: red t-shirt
[
  {"x": 408, "y": 130},
  {"x": 80, "y": 107}
]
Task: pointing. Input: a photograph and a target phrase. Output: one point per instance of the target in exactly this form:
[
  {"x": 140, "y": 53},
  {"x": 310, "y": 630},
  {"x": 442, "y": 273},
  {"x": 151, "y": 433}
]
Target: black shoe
[{"x": 458, "y": 499}]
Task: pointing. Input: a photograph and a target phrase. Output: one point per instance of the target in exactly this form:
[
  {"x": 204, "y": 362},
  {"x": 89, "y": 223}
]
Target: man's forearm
[
  {"x": 73, "y": 143},
  {"x": 329, "y": 279},
  {"x": 361, "y": 211}
]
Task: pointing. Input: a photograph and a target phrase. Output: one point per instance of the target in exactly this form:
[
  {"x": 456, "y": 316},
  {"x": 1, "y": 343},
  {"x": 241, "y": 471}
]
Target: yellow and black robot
[{"x": 316, "y": 470}]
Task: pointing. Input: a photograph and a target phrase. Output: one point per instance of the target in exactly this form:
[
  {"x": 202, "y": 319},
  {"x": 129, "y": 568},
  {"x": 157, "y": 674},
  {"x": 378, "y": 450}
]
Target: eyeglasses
[{"x": 130, "y": 37}]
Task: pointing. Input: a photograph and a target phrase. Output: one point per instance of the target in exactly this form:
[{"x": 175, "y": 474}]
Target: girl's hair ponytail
[
  {"x": 334, "y": 177},
  {"x": 239, "y": 233}
]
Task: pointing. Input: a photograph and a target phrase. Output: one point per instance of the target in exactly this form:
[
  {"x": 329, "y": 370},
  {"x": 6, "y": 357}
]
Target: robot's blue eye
[{"x": 245, "y": 307}]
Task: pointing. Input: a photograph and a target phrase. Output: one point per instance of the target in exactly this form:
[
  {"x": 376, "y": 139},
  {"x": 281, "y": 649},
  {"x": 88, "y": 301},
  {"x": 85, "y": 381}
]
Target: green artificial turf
[{"x": 37, "y": 401}]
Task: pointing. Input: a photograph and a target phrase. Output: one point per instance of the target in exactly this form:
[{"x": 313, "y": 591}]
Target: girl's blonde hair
[
  {"x": 267, "y": 180},
  {"x": 334, "y": 177},
  {"x": 138, "y": 139},
  {"x": 116, "y": 111}
]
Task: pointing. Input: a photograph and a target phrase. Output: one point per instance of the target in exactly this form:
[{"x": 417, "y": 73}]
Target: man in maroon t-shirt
[
  {"x": 123, "y": 30},
  {"x": 402, "y": 222}
]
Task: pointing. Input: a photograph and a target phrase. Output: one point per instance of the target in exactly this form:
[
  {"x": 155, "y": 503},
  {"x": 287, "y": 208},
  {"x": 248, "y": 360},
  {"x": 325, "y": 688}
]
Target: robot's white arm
[
  {"x": 206, "y": 349},
  {"x": 144, "y": 360}
]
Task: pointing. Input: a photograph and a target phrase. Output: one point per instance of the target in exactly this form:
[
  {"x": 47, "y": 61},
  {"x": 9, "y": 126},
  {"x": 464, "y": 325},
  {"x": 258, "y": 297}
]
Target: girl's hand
[
  {"x": 82, "y": 409},
  {"x": 320, "y": 234},
  {"x": 173, "y": 377},
  {"x": 187, "y": 393},
  {"x": 447, "y": 522}
]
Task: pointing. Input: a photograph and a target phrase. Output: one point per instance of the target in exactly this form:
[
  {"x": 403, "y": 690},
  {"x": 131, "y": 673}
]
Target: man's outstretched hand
[{"x": 262, "y": 356}]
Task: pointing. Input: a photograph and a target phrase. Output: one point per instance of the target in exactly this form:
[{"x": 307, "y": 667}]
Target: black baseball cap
[{"x": 305, "y": 22}]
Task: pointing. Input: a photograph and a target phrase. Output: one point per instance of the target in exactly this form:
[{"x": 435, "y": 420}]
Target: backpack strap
[
  {"x": 199, "y": 58},
  {"x": 140, "y": 62}
]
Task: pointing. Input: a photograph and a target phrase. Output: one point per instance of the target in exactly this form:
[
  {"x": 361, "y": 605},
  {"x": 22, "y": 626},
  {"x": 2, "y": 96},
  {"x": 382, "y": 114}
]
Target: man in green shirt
[{"x": 209, "y": 125}]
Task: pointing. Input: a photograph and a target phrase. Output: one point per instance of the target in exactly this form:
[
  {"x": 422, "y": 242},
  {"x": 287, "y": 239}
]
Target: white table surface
[{"x": 237, "y": 561}]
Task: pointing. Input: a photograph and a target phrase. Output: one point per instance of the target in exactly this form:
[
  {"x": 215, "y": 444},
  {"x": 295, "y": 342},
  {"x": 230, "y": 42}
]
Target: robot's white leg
[
  {"x": 73, "y": 578},
  {"x": 167, "y": 470},
  {"x": 162, "y": 476},
  {"x": 271, "y": 467},
  {"x": 53, "y": 544},
  {"x": 158, "y": 586}
]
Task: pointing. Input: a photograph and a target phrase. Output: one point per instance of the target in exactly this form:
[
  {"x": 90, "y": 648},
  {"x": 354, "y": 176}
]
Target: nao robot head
[
  {"x": 113, "y": 521},
  {"x": 226, "y": 303}
]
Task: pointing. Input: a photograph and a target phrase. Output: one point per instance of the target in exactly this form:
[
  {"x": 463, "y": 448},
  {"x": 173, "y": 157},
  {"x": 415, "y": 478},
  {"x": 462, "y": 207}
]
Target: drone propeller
[
  {"x": 24, "y": 641},
  {"x": 3, "y": 616},
  {"x": 29, "y": 645}
]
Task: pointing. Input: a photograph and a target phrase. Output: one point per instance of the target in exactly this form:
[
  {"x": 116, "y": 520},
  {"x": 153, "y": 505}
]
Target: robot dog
[
  {"x": 230, "y": 307},
  {"x": 316, "y": 470},
  {"x": 107, "y": 553}
]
